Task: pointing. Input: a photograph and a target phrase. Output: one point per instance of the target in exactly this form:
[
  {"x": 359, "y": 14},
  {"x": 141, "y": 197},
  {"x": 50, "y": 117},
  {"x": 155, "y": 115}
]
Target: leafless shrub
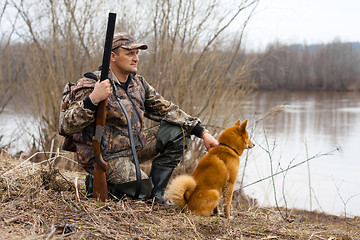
[
  {"x": 191, "y": 60},
  {"x": 57, "y": 45}
]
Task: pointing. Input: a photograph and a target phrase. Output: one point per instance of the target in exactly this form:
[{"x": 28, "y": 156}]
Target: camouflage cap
[{"x": 126, "y": 41}]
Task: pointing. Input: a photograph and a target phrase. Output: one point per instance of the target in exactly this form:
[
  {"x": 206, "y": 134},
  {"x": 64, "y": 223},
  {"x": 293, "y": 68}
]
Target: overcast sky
[{"x": 304, "y": 21}]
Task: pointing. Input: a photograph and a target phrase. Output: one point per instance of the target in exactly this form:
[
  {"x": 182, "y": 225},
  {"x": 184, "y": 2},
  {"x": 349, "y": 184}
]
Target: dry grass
[{"x": 39, "y": 202}]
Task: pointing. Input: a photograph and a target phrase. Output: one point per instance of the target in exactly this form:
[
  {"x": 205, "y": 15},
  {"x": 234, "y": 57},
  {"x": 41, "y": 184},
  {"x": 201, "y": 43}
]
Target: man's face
[{"x": 125, "y": 61}]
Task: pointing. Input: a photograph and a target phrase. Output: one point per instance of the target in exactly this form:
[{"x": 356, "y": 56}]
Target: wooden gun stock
[{"x": 100, "y": 188}]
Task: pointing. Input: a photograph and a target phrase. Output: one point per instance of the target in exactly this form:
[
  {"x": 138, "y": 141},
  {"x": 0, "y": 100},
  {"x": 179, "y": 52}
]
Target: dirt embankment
[{"x": 39, "y": 202}]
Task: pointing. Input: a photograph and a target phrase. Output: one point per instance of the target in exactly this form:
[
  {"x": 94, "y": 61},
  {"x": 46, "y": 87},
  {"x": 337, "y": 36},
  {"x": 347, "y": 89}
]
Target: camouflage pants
[{"x": 164, "y": 146}]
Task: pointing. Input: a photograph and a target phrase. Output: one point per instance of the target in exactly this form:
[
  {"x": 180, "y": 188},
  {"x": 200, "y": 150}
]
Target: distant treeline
[{"x": 326, "y": 67}]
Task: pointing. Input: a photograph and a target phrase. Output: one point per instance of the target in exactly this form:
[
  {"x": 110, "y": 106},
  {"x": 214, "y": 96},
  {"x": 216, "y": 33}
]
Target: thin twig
[{"x": 294, "y": 166}]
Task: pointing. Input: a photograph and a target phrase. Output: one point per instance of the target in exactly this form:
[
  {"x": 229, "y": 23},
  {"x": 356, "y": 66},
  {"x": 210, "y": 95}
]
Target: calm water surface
[
  {"x": 311, "y": 124},
  {"x": 17, "y": 129}
]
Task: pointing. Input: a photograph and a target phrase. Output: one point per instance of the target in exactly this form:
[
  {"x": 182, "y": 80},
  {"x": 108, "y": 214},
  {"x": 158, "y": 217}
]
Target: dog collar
[{"x": 221, "y": 144}]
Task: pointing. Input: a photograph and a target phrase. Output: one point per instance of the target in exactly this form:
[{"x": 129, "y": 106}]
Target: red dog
[{"x": 214, "y": 176}]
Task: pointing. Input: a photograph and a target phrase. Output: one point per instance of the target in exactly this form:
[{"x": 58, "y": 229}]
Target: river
[
  {"x": 17, "y": 131},
  {"x": 325, "y": 126},
  {"x": 311, "y": 124}
]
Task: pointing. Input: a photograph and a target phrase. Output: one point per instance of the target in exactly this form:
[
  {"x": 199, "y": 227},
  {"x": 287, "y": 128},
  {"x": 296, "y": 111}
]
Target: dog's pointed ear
[
  {"x": 238, "y": 123},
  {"x": 243, "y": 125}
]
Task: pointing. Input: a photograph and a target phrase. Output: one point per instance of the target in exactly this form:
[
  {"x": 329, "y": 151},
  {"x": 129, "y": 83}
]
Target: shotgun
[{"x": 100, "y": 188}]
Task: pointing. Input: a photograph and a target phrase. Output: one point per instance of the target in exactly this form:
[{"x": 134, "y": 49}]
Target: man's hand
[
  {"x": 102, "y": 91},
  {"x": 209, "y": 141}
]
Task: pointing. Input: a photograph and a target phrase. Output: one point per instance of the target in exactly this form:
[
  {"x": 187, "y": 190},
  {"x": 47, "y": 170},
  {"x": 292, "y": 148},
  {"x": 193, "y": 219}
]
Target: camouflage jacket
[{"x": 140, "y": 99}]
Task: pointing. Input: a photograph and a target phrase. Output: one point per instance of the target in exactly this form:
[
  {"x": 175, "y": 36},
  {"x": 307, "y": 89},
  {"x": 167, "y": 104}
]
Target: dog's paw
[
  {"x": 216, "y": 211},
  {"x": 228, "y": 216}
]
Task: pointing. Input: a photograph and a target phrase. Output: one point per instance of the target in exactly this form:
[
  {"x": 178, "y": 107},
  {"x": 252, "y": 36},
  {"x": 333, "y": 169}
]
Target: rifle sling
[{"x": 132, "y": 142}]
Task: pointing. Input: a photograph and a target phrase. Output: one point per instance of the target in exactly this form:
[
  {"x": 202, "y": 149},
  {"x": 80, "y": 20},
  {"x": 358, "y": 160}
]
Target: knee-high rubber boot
[
  {"x": 89, "y": 181},
  {"x": 160, "y": 178}
]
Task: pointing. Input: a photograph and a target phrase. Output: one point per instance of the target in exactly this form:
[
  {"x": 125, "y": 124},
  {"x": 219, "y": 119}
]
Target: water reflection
[{"x": 312, "y": 123}]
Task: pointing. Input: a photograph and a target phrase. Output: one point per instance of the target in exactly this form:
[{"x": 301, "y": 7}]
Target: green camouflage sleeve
[
  {"x": 158, "y": 108},
  {"x": 77, "y": 117}
]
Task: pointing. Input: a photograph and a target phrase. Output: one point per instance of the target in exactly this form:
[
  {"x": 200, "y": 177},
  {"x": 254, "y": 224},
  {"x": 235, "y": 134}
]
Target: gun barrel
[
  {"x": 108, "y": 46},
  {"x": 100, "y": 189}
]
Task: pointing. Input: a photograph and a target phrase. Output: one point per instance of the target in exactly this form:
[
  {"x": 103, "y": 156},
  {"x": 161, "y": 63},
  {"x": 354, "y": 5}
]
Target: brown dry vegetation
[
  {"x": 39, "y": 201},
  {"x": 191, "y": 59}
]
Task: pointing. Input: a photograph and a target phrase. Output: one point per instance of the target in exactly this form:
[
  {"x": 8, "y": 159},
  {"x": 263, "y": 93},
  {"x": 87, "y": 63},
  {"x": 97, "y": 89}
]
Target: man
[{"x": 165, "y": 143}]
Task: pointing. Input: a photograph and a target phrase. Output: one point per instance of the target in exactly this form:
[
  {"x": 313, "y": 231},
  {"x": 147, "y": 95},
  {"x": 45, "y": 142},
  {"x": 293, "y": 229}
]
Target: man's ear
[{"x": 113, "y": 56}]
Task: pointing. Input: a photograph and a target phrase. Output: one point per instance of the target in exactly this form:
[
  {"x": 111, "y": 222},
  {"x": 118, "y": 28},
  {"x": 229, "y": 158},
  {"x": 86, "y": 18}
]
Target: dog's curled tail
[{"x": 180, "y": 190}]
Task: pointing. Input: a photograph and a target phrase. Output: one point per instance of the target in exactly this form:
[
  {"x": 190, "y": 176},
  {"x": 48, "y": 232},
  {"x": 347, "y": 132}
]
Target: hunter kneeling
[{"x": 162, "y": 144}]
